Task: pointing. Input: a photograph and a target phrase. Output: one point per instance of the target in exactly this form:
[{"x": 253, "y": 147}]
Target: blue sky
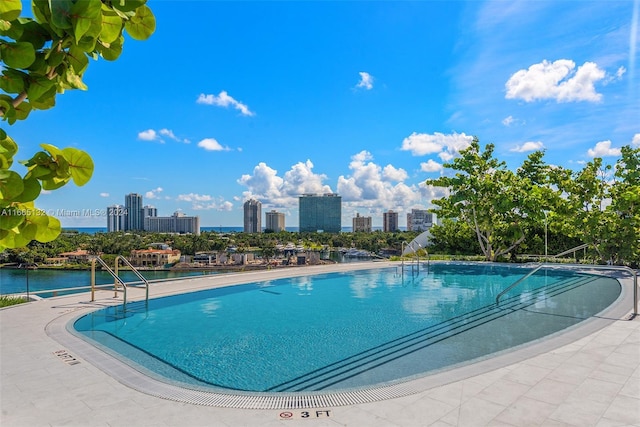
[{"x": 231, "y": 100}]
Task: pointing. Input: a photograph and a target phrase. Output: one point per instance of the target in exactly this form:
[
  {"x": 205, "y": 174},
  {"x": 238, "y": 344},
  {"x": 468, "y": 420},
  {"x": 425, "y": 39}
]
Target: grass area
[{"x": 6, "y": 301}]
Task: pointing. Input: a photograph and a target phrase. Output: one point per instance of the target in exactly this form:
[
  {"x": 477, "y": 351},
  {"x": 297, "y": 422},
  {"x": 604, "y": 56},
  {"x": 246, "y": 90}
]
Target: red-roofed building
[{"x": 154, "y": 257}]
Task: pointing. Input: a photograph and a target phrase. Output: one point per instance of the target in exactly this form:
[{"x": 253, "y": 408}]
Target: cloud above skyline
[
  {"x": 154, "y": 194},
  {"x": 265, "y": 184}
]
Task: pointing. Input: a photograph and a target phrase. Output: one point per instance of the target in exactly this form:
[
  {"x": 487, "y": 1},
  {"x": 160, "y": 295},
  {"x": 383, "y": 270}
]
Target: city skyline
[{"x": 364, "y": 99}]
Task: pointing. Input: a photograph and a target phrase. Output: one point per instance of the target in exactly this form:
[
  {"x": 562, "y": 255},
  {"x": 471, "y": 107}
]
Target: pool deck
[{"x": 589, "y": 376}]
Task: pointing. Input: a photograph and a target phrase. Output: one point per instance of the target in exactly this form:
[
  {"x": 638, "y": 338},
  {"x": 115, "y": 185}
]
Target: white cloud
[
  {"x": 366, "y": 80},
  {"x": 210, "y": 144},
  {"x": 265, "y": 184},
  {"x": 226, "y": 206},
  {"x": 224, "y": 100},
  {"x": 611, "y": 78},
  {"x": 169, "y": 133},
  {"x": 391, "y": 173},
  {"x": 301, "y": 179},
  {"x": 152, "y": 135},
  {"x": 149, "y": 135},
  {"x": 636, "y": 140},
  {"x": 447, "y": 146},
  {"x": 193, "y": 197},
  {"x": 528, "y": 146},
  {"x": 368, "y": 187},
  {"x": 603, "y": 149},
  {"x": 104, "y": 194},
  {"x": 556, "y": 80},
  {"x": 508, "y": 120},
  {"x": 153, "y": 194},
  {"x": 430, "y": 166},
  {"x": 201, "y": 202}
]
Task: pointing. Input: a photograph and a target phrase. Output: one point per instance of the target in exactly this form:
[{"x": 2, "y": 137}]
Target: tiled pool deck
[{"x": 588, "y": 376}]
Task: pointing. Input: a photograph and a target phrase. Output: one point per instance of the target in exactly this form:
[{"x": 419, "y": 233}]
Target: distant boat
[
  {"x": 28, "y": 266},
  {"x": 356, "y": 253}
]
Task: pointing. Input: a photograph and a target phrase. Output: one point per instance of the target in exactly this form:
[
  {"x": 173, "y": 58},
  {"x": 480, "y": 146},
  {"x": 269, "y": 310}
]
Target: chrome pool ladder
[{"x": 119, "y": 284}]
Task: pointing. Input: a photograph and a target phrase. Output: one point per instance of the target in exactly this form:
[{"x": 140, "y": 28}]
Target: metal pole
[
  {"x": 28, "y": 298},
  {"x": 93, "y": 280},
  {"x": 635, "y": 294},
  {"x": 115, "y": 283},
  {"x": 546, "y": 259}
]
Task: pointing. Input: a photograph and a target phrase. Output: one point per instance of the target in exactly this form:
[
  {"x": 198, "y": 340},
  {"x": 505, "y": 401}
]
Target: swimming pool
[{"x": 344, "y": 331}]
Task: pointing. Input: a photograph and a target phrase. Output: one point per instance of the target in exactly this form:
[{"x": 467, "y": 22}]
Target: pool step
[{"x": 372, "y": 358}]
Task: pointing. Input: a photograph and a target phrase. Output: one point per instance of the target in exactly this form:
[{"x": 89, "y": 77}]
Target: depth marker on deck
[{"x": 66, "y": 357}]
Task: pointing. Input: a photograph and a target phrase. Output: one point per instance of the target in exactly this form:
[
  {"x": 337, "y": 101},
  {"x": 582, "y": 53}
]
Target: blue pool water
[{"x": 344, "y": 330}]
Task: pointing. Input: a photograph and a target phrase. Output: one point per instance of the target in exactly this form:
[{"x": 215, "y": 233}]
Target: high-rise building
[
  {"x": 419, "y": 220},
  {"x": 320, "y": 213},
  {"x": 149, "y": 211},
  {"x": 176, "y": 223},
  {"x": 133, "y": 207},
  {"x": 116, "y": 218},
  {"x": 274, "y": 221},
  {"x": 134, "y": 217},
  {"x": 252, "y": 216},
  {"x": 390, "y": 221},
  {"x": 362, "y": 223}
]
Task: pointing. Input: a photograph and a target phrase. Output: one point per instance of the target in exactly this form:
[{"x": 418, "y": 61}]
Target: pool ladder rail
[
  {"x": 414, "y": 266},
  {"x": 633, "y": 272},
  {"x": 119, "y": 285}
]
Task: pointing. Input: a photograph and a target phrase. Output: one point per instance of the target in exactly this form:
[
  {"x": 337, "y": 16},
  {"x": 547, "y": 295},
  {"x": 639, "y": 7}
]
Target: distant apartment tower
[
  {"x": 252, "y": 216},
  {"x": 133, "y": 211},
  {"x": 116, "y": 218},
  {"x": 320, "y": 212},
  {"x": 419, "y": 220},
  {"x": 176, "y": 223},
  {"x": 390, "y": 221},
  {"x": 362, "y": 223},
  {"x": 274, "y": 221},
  {"x": 149, "y": 211}
]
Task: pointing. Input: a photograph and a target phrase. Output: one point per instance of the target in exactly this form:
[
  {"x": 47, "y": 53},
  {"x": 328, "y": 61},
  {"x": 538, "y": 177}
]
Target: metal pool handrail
[
  {"x": 135, "y": 271},
  {"x": 514, "y": 284},
  {"x": 110, "y": 271},
  {"x": 633, "y": 272}
]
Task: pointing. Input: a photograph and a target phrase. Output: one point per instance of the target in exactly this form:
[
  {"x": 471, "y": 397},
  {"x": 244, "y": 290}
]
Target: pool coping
[{"x": 133, "y": 378}]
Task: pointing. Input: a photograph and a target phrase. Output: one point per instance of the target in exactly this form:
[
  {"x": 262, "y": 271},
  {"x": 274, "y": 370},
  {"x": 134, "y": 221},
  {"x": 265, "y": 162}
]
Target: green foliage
[
  {"x": 6, "y": 301},
  {"x": 512, "y": 212},
  {"x": 41, "y": 58},
  {"x": 453, "y": 238},
  {"x": 496, "y": 203}
]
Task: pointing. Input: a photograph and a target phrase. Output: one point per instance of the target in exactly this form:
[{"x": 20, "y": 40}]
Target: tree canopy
[
  {"x": 504, "y": 207},
  {"x": 42, "y": 57}
]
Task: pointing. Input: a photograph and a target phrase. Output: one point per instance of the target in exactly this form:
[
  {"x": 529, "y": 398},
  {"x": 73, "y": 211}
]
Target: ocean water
[{"x": 94, "y": 230}]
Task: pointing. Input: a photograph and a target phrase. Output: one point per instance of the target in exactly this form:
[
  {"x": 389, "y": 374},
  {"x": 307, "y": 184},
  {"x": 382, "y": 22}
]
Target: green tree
[
  {"x": 583, "y": 209},
  {"x": 455, "y": 238},
  {"x": 498, "y": 204},
  {"x": 42, "y": 57},
  {"x": 624, "y": 209}
]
